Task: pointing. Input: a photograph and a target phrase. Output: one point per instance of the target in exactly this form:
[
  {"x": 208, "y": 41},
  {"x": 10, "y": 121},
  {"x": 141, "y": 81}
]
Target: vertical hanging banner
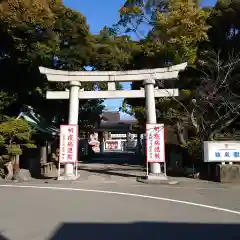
[
  {"x": 68, "y": 150},
  {"x": 155, "y": 143}
]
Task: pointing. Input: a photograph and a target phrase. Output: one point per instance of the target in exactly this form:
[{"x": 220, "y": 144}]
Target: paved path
[{"x": 120, "y": 210}]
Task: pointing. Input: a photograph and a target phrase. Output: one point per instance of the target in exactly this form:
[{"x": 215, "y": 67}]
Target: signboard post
[
  {"x": 68, "y": 149},
  {"x": 155, "y": 145}
]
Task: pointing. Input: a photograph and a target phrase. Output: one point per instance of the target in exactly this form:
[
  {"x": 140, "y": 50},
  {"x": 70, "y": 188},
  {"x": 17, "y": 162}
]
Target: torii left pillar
[{"x": 72, "y": 119}]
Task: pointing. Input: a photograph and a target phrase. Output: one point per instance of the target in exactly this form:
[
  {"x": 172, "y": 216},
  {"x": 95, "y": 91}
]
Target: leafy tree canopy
[
  {"x": 207, "y": 38},
  {"x": 42, "y": 33}
]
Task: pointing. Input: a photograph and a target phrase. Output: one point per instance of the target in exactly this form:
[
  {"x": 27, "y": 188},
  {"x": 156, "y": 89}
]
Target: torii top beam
[{"x": 113, "y": 76}]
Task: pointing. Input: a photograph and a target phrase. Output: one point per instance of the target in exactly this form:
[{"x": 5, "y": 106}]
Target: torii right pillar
[{"x": 155, "y": 168}]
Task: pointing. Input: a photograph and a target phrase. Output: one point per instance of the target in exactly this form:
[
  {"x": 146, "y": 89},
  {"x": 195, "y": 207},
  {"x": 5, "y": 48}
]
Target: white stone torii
[{"x": 148, "y": 76}]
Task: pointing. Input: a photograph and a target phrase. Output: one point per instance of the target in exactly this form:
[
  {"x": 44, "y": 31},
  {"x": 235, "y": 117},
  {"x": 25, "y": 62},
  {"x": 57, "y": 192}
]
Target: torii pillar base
[
  {"x": 68, "y": 178},
  {"x": 69, "y": 173},
  {"x": 157, "y": 177}
]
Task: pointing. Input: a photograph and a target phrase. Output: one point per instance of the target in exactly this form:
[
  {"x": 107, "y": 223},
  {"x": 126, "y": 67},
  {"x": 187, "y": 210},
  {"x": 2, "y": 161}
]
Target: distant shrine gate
[{"x": 148, "y": 76}]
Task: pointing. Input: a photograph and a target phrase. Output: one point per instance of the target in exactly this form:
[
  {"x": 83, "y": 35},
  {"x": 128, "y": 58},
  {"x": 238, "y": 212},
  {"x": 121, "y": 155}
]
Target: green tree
[
  {"x": 43, "y": 33},
  {"x": 174, "y": 38},
  {"x": 26, "y": 41},
  {"x": 224, "y": 32}
]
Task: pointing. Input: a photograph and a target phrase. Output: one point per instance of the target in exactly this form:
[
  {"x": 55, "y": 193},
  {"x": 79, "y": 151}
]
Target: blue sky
[{"x": 101, "y": 13}]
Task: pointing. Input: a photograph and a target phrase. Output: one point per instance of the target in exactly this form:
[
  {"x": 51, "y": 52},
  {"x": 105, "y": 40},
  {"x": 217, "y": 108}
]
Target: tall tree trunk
[
  {"x": 16, "y": 165},
  {"x": 180, "y": 133}
]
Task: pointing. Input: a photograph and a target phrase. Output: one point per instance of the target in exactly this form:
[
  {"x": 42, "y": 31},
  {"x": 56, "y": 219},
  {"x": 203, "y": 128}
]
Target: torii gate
[{"x": 148, "y": 76}]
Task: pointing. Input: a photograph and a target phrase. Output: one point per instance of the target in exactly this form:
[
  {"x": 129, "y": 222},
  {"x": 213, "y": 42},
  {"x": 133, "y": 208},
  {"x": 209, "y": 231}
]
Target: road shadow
[
  {"x": 3, "y": 238},
  {"x": 119, "y": 158},
  {"x": 114, "y": 164},
  {"x": 111, "y": 172},
  {"x": 146, "y": 230}
]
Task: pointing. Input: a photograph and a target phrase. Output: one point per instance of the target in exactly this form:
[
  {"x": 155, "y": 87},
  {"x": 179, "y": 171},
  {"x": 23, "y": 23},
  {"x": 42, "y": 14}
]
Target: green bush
[{"x": 15, "y": 135}]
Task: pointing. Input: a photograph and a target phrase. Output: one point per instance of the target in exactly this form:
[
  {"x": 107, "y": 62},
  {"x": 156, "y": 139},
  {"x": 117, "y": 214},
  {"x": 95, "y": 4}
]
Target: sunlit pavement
[{"x": 88, "y": 210}]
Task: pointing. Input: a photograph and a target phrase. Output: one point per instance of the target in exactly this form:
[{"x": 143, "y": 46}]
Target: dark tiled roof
[
  {"x": 228, "y": 136},
  {"x": 111, "y": 116}
]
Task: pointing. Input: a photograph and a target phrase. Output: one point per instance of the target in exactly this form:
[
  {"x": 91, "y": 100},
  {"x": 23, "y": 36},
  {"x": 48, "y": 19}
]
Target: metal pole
[
  {"x": 100, "y": 139},
  {"x": 138, "y": 144},
  {"x": 73, "y": 119},
  {"x": 59, "y": 169},
  {"x": 76, "y": 169},
  {"x": 155, "y": 168},
  {"x": 147, "y": 168},
  {"x": 165, "y": 168}
]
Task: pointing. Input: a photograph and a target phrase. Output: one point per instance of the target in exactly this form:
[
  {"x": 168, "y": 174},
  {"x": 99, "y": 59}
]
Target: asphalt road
[{"x": 105, "y": 211}]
